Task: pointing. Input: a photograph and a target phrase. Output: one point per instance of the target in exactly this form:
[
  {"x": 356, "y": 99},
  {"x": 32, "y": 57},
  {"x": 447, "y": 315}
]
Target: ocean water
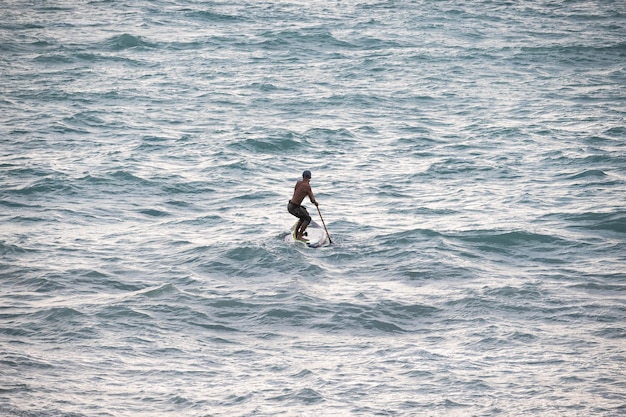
[{"x": 469, "y": 159}]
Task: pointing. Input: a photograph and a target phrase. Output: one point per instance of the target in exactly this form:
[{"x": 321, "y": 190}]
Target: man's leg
[
  {"x": 296, "y": 230},
  {"x": 301, "y": 230}
]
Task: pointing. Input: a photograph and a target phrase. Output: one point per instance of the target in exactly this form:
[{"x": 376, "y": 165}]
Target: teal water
[{"x": 469, "y": 160}]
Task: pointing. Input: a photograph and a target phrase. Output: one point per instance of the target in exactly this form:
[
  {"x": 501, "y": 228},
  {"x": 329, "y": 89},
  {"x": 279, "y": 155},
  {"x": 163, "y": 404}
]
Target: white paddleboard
[{"x": 315, "y": 236}]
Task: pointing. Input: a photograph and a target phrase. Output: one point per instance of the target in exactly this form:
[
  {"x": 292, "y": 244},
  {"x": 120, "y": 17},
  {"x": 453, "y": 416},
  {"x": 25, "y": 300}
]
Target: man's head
[{"x": 306, "y": 174}]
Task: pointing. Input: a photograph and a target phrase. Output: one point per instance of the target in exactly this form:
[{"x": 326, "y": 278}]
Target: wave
[
  {"x": 127, "y": 41},
  {"x": 306, "y": 39},
  {"x": 407, "y": 237},
  {"x": 594, "y": 173},
  {"x": 154, "y": 212},
  {"x": 302, "y": 311},
  {"x": 610, "y": 221},
  {"x": 25, "y": 361},
  {"x": 212, "y": 16},
  {"x": 286, "y": 142},
  {"x": 128, "y": 178},
  {"x": 386, "y": 317},
  {"x": 222, "y": 311},
  {"x": 7, "y": 248},
  {"x": 45, "y": 186},
  {"x": 573, "y": 55},
  {"x": 56, "y": 314},
  {"x": 459, "y": 166},
  {"x": 506, "y": 239}
]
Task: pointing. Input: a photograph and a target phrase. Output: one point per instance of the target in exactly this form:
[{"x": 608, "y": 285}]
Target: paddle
[{"x": 327, "y": 234}]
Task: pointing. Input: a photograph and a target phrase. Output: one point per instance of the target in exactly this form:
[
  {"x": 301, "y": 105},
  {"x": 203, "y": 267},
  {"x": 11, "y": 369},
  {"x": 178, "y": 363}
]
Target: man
[{"x": 301, "y": 190}]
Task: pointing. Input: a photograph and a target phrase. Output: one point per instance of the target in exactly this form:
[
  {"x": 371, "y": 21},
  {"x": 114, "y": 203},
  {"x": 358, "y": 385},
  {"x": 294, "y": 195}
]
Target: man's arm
[{"x": 312, "y": 197}]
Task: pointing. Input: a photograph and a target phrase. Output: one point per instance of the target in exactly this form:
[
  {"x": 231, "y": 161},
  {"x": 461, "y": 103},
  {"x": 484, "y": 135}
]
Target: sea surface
[{"x": 469, "y": 159}]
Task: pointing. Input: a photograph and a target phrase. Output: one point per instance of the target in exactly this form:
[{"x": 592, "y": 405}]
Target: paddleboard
[{"x": 315, "y": 236}]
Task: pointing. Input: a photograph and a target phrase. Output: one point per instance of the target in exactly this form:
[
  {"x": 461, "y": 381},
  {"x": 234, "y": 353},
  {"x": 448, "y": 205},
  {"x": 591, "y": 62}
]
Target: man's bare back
[{"x": 301, "y": 190}]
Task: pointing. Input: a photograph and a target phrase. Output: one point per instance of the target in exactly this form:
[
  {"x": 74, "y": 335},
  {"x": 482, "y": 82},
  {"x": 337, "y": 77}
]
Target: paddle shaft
[{"x": 327, "y": 234}]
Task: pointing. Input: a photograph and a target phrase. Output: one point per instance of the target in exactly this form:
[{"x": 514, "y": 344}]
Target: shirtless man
[{"x": 301, "y": 190}]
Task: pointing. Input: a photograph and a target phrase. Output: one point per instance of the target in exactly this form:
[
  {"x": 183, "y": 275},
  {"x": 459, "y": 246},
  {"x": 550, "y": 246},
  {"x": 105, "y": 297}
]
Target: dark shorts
[{"x": 299, "y": 211}]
